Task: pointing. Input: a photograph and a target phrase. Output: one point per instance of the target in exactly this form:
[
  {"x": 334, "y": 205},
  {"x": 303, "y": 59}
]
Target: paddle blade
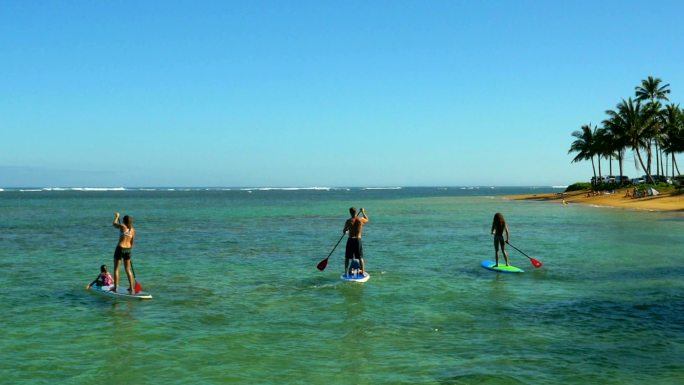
[
  {"x": 535, "y": 263},
  {"x": 322, "y": 264},
  {"x": 138, "y": 287}
]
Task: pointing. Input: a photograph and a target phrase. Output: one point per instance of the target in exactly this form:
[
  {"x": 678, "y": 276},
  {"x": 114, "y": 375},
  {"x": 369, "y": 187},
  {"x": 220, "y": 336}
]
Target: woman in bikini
[
  {"x": 499, "y": 227},
  {"x": 123, "y": 250}
]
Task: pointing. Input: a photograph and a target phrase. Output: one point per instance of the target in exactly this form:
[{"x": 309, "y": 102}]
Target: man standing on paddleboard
[{"x": 354, "y": 248}]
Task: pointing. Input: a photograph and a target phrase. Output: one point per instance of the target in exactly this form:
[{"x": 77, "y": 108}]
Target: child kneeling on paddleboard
[{"x": 104, "y": 279}]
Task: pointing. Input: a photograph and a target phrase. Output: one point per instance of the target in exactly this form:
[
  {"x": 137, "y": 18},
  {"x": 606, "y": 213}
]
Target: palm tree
[
  {"x": 652, "y": 91},
  {"x": 604, "y": 148},
  {"x": 585, "y": 146},
  {"x": 634, "y": 123},
  {"x": 615, "y": 139},
  {"x": 673, "y": 138}
]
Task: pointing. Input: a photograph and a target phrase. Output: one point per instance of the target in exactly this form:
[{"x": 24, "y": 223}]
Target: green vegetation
[
  {"x": 661, "y": 187},
  {"x": 578, "y": 186},
  {"x": 640, "y": 124}
]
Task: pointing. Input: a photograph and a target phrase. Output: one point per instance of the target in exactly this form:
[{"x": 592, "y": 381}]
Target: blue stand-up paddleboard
[
  {"x": 502, "y": 268},
  {"x": 119, "y": 293},
  {"x": 355, "y": 276}
]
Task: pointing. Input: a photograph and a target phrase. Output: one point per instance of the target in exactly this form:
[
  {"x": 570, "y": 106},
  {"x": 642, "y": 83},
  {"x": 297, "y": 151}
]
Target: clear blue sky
[{"x": 318, "y": 93}]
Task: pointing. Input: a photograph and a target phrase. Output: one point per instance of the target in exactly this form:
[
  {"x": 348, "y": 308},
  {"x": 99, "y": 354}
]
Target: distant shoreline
[
  {"x": 668, "y": 201},
  {"x": 268, "y": 188}
]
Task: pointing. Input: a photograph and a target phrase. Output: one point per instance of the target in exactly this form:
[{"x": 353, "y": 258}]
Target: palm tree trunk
[
  {"x": 666, "y": 164},
  {"x": 593, "y": 168},
  {"x": 648, "y": 172},
  {"x": 657, "y": 156},
  {"x": 611, "y": 165},
  {"x": 620, "y": 164},
  {"x": 649, "y": 158}
]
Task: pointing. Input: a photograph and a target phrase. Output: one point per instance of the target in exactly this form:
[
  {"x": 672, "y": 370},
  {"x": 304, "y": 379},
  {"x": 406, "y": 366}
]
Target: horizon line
[{"x": 266, "y": 188}]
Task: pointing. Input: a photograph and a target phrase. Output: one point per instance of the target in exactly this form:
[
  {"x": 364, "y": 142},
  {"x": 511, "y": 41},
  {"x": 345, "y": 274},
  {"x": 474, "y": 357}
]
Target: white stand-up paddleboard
[
  {"x": 119, "y": 293},
  {"x": 356, "y": 277},
  {"x": 502, "y": 268}
]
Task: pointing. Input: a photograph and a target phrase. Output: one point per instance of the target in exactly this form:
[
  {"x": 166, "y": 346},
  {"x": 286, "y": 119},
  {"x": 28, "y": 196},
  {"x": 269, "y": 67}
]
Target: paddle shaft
[
  {"x": 138, "y": 287},
  {"x": 338, "y": 242},
  {"x": 324, "y": 263},
  {"x": 519, "y": 250}
]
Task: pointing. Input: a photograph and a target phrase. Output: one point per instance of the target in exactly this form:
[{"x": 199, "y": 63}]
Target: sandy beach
[{"x": 666, "y": 201}]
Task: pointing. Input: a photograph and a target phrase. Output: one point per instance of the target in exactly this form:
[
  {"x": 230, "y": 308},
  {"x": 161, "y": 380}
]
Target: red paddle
[
  {"x": 535, "y": 263},
  {"x": 324, "y": 263}
]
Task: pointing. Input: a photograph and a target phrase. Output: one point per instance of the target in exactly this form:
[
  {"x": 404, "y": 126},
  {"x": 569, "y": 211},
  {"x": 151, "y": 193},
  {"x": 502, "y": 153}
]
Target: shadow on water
[
  {"x": 480, "y": 379},
  {"x": 357, "y": 346},
  {"x": 316, "y": 280},
  {"x": 90, "y": 300},
  {"x": 626, "y": 315},
  {"x": 353, "y": 299},
  {"x": 73, "y": 297},
  {"x": 673, "y": 272},
  {"x": 117, "y": 308}
]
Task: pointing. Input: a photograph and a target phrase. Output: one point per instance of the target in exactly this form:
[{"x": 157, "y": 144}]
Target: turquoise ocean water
[{"x": 238, "y": 298}]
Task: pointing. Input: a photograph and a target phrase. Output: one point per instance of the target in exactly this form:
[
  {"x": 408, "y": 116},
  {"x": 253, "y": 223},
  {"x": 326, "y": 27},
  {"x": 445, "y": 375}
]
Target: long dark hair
[
  {"x": 499, "y": 222},
  {"x": 128, "y": 221}
]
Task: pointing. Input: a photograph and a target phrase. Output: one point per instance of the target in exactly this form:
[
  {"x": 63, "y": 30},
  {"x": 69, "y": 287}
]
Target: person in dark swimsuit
[
  {"x": 123, "y": 250},
  {"x": 354, "y": 248},
  {"x": 499, "y": 227}
]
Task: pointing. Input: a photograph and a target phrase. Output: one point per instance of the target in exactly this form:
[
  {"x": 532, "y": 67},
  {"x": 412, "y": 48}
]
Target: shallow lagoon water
[{"x": 238, "y": 298}]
